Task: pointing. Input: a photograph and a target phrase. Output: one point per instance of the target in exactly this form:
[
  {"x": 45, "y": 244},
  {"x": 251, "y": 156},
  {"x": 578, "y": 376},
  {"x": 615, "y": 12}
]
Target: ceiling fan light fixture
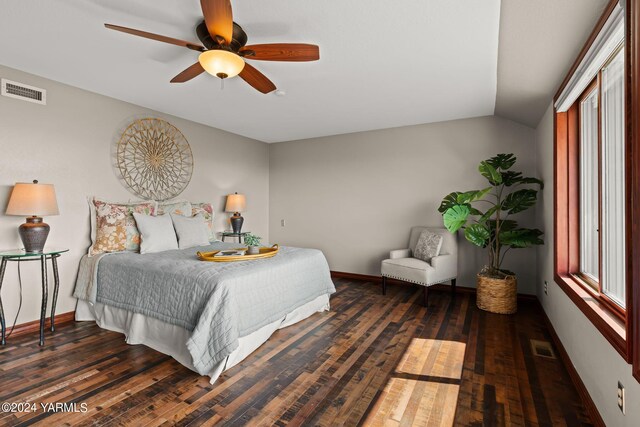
[{"x": 221, "y": 63}]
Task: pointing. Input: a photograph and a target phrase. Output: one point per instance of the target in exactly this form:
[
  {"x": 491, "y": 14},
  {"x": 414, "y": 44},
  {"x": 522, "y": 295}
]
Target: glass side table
[
  {"x": 20, "y": 255},
  {"x": 240, "y": 236}
]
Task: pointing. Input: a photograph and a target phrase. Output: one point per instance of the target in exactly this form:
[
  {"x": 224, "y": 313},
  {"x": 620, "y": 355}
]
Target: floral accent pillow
[
  {"x": 178, "y": 207},
  {"x": 428, "y": 246},
  {"x": 206, "y": 209},
  {"x": 115, "y": 228}
]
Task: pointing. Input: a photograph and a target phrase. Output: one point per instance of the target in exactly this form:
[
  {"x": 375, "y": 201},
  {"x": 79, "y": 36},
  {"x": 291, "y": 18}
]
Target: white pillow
[
  {"x": 156, "y": 232},
  {"x": 191, "y": 231},
  {"x": 428, "y": 246}
]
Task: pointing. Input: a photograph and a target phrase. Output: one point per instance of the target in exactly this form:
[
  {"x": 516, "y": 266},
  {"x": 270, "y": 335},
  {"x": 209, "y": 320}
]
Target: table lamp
[
  {"x": 236, "y": 203},
  {"x": 33, "y": 201}
]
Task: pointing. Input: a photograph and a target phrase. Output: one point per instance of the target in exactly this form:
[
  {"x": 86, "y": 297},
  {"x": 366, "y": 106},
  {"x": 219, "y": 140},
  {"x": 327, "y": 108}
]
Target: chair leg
[
  {"x": 425, "y": 296},
  {"x": 384, "y": 285},
  {"x": 453, "y": 287}
]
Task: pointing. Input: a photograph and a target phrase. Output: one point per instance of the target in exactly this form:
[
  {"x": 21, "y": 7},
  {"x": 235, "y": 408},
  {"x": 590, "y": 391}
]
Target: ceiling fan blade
[
  {"x": 256, "y": 79},
  {"x": 282, "y": 52},
  {"x": 193, "y": 71},
  {"x": 157, "y": 37},
  {"x": 219, "y": 18}
]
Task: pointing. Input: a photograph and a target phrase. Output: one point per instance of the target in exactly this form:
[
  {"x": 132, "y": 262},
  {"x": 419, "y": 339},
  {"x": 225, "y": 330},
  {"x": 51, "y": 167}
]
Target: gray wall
[
  {"x": 355, "y": 196},
  {"x": 597, "y": 362},
  {"x": 69, "y": 143}
]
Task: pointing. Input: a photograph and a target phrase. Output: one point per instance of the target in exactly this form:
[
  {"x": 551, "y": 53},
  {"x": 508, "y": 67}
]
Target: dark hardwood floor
[{"x": 372, "y": 360}]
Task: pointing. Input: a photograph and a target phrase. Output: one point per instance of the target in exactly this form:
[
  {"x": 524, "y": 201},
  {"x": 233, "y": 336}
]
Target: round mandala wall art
[{"x": 154, "y": 159}]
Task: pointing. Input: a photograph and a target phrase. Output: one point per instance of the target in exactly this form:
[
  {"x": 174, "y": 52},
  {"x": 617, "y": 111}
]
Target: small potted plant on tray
[
  {"x": 494, "y": 229},
  {"x": 253, "y": 243}
]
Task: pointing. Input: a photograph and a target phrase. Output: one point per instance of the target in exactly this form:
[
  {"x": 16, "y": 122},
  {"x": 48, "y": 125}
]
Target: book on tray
[{"x": 231, "y": 252}]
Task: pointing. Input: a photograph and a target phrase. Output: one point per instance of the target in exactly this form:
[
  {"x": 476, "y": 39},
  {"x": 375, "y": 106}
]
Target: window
[
  {"x": 613, "y": 257},
  {"x": 596, "y": 180},
  {"x": 601, "y": 160},
  {"x": 589, "y": 189}
]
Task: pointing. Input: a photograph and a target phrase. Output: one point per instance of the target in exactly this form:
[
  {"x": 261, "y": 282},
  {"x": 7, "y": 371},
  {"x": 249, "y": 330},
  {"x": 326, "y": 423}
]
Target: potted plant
[
  {"x": 494, "y": 229},
  {"x": 253, "y": 243}
]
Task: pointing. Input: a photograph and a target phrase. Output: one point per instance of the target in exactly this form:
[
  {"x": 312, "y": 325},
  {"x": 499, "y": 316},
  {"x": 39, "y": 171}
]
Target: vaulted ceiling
[
  {"x": 539, "y": 40},
  {"x": 383, "y": 63}
]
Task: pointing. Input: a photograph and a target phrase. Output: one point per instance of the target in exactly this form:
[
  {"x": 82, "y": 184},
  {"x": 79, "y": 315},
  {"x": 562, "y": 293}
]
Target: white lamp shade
[
  {"x": 236, "y": 203},
  {"x": 221, "y": 63},
  {"x": 33, "y": 200}
]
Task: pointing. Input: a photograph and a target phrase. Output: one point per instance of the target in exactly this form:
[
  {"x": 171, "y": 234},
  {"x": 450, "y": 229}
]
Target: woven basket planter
[{"x": 497, "y": 295}]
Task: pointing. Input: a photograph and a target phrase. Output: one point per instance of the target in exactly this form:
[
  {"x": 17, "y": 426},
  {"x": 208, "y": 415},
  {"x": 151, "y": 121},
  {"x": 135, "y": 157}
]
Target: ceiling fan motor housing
[{"x": 239, "y": 38}]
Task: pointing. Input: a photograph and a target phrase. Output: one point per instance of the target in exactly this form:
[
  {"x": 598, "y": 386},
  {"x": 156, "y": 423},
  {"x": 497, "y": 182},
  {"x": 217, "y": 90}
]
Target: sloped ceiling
[
  {"x": 539, "y": 40},
  {"x": 383, "y": 63}
]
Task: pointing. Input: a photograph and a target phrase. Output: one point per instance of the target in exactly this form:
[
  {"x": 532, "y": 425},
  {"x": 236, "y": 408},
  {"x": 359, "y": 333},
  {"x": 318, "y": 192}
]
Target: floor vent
[
  {"x": 542, "y": 349},
  {"x": 24, "y": 92}
]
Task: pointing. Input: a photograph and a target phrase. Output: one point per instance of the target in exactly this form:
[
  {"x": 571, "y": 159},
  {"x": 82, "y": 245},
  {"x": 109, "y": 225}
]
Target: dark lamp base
[
  {"x": 236, "y": 222},
  {"x": 34, "y": 234}
]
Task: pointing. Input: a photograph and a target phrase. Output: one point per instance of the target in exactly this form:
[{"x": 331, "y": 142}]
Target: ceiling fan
[{"x": 224, "y": 52}]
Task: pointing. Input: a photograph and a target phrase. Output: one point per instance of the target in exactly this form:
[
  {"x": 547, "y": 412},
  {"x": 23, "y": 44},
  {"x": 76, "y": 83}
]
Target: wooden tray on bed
[{"x": 265, "y": 252}]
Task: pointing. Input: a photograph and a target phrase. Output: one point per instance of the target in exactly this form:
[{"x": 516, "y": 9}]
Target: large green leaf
[
  {"x": 488, "y": 214},
  {"x": 519, "y": 201},
  {"x": 530, "y": 180},
  {"x": 502, "y": 161},
  {"x": 465, "y": 197},
  {"x": 455, "y": 217},
  {"x": 521, "y": 237},
  {"x": 449, "y": 200},
  {"x": 489, "y": 172},
  {"x": 472, "y": 196},
  {"x": 477, "y": 234},
  {"x": 510, "y": 178},
  {"x": 473, "y": 211},
  {"x": 505, "y": 225}
]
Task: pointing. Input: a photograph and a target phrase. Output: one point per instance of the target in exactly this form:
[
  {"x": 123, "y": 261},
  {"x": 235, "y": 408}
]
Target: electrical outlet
[
  {"x": 546, "y": 288},
  {"x": 621, "y": 404},
  {"x": 282, "y": 223}
]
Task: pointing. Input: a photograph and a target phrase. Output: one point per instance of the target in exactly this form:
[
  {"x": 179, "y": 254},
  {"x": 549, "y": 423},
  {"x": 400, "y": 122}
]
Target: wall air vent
[{"x": 22, "y": 91}]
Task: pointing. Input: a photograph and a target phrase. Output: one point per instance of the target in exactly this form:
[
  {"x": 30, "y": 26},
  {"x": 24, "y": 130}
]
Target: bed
[{"x": 208, "y": 316}]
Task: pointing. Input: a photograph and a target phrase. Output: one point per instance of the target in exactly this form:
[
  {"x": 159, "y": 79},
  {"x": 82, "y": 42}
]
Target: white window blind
[
  {"x": 601, "y": 49},
  {"x": 613, "y": 180},
  {"x": 589, "y": 216}
]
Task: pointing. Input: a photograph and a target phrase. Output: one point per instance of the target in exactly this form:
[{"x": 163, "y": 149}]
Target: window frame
[
  {"x": 616, "y": 326},
  {"x": 632, "y": 105},
  {"x": 578, "y": 276}
]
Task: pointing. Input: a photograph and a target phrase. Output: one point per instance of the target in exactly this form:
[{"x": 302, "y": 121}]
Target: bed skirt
[{"x": 171, "y": 339}]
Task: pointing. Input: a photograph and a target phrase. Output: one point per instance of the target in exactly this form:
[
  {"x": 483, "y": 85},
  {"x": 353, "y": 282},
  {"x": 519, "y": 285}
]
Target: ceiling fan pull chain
[{"x": 221, "y": 84}]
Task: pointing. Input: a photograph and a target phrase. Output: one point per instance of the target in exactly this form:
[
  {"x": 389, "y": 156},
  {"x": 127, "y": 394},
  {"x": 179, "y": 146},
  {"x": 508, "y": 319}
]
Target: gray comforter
[{"x": 217, "y": 302}]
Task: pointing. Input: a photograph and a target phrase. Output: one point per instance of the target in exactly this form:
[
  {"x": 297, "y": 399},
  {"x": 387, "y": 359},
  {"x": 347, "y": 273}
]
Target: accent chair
[{"x": 401, "y": 264}]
